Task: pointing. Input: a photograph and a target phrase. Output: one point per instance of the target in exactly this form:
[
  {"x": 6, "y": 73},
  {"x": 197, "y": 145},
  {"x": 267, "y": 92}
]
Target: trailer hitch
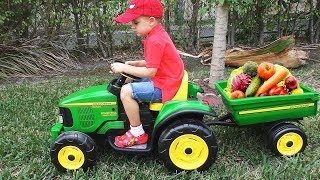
[{"x": 225, "y": 120}]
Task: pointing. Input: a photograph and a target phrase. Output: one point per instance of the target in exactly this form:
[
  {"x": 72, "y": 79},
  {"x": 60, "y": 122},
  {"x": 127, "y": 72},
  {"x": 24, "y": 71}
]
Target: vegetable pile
[{"x": 265, "y": 79}]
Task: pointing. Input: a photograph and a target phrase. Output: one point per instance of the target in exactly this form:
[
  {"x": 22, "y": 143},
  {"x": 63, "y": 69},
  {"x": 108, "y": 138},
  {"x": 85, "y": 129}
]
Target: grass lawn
[{"x": 28, "y": 110}]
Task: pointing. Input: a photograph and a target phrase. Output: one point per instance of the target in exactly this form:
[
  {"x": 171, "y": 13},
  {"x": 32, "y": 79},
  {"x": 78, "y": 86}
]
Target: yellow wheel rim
[
  {"x": 290, "y": 144},
  {"x": 188, "y": 152},
  {"x": 71, "y": 157}
]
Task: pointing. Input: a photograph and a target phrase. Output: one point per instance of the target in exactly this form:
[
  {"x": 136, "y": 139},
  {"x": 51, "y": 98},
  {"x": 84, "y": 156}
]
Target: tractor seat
[{"x": 180, "y": 95}]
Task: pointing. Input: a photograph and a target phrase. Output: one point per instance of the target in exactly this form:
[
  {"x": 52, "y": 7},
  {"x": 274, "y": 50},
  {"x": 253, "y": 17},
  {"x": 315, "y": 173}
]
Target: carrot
[{"x": 273, "y": 80}]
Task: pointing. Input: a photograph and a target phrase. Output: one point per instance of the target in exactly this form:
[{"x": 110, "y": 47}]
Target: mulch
[{"x": 210, "y": 94}]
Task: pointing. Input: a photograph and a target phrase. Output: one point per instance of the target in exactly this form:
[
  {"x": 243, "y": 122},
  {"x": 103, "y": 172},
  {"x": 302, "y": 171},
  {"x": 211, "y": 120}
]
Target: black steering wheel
[
  {"x": 123, "y": 76},
  {"x": 130, "y": 76}
]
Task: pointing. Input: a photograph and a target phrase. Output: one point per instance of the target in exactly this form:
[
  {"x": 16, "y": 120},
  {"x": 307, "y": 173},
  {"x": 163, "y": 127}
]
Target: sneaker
[{"x": 128, "y": 140}]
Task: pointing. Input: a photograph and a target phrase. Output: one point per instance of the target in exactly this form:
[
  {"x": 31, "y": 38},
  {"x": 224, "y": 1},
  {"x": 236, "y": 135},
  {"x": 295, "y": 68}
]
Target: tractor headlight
[
  {"x": 65, "y": 117},
  {"x": 60, "y": 118}
]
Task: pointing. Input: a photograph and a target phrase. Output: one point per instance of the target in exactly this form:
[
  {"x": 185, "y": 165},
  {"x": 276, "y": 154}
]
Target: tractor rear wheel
[
  {"x": 187, "y": 145},
  {"x": 286, "y": 139},
  {"x": 73, "y": 150}
]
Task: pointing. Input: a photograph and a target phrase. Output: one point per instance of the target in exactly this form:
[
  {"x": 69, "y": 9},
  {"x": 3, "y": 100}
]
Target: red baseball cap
[{"x": 137, "y": 8}]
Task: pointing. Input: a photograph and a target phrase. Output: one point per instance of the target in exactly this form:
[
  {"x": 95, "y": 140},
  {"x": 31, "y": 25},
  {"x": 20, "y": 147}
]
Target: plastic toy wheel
[
  {"x": 287, "y": 140},
  {"x": 187, "y": 145},
  {"x": 73, "y": 150}
]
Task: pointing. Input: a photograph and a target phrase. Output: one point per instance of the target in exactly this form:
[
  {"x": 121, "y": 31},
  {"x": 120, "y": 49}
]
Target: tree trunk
[
  {"x": 103, "y": 33},
  {"x": 287, "y": 17},
  {"x": 109, "y": 38},
  {"x": 260, "y": 8},
  {"x": 232, "y": 29},
  {"x": 193, "y": 33},
  {"x": 282, "y": 6},
  {"x": 311, "y": 29},
  {"x": 317, "y": 23},
  {"x": 179, "y": 11},
  {"x": 294, "y": 23},
  {"x": 77, "y": 21},
  {"x": 219, "y": 44},
  {"x": 167, "y": 18}
]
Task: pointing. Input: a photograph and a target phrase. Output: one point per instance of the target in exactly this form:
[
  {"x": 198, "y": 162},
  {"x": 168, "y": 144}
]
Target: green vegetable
[
  {"x": 253, "y": 86},
  {"x": 250, "y": 68}
]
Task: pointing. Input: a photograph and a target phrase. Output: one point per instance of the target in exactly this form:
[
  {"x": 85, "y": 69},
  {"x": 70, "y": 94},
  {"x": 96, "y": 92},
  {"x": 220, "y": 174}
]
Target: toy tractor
[{"x": 175, "y": 128}]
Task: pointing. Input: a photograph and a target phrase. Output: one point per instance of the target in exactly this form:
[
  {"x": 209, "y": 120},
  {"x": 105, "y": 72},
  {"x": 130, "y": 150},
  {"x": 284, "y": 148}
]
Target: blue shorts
[{"x": 143, "y": 90}]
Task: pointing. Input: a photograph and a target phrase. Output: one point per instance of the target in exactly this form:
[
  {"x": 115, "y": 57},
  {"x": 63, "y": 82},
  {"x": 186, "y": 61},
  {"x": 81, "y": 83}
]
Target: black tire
[
  {"x": 187, "y": 145},
  {"x": 286, "y": 140},
  {"x": 73, "y": 150}
]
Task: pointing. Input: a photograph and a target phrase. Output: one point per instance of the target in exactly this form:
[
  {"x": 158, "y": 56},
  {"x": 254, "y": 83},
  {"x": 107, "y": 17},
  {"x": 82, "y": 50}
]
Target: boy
[{"x": 161, "y": 71}]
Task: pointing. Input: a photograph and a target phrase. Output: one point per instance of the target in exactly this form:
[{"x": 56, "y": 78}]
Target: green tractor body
[
  {"x": 98, "y": 112},
  {"x": 90, "y": 110},
  {"x": 95, "y": 110}
]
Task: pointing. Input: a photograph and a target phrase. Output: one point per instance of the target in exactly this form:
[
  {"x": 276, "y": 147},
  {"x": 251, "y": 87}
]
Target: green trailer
[
  {"x": 265, "y": 109},
  {"x": 275, "y": 114}
]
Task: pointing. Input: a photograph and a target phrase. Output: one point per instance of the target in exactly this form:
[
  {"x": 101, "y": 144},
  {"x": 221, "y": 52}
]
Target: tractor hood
[{"x": 92, "y": 96}]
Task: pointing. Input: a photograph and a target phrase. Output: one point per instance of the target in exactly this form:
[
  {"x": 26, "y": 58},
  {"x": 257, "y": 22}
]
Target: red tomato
[
  {"x": 277, "y": 90},
  {"x": 266, "y": 70},
  {"x": 283, "y": 92},
  {"x": 273, "y": 91},
  {"x": 237, "y": 94},
  {"x": 264, "y": 94}
]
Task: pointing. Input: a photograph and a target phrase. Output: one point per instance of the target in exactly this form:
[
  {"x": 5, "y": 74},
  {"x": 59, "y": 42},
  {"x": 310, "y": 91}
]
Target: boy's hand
[
  {"x": 141, "y": 63},
  {"x": 118, "y": 67},
  {"x": 132, "y": 63}
]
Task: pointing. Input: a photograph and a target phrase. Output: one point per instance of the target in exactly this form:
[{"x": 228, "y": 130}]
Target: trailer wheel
[
  {"x": 287, "y": 140},
  {"x": 73, "y": 150},
  {"x": 187, "y": 145}
]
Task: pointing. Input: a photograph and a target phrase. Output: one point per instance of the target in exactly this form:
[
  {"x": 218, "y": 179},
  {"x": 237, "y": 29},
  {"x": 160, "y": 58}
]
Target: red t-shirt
[{"x": 160, "y": 53}]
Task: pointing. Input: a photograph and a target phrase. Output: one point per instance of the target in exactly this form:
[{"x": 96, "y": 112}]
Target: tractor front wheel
[
  {"x": 73, "y": 150},
  {"x": 187, "y": 145}
]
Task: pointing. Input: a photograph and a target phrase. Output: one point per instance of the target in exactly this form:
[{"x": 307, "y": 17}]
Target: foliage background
[
  {"x": 76, "y": 30},
  {"x": 250, "y": 20}
]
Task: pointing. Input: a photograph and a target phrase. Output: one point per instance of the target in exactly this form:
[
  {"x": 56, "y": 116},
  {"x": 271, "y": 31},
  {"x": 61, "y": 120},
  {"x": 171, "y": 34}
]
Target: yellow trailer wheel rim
[
  {"x": 188, "y": 152},
  {"x": 290, "y": 144},
  {"x": 71, "y": 157}
]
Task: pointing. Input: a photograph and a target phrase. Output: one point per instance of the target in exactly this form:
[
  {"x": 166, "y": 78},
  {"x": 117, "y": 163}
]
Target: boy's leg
[
  {"x": 130, "y": 105},
  {"x": 136, "y": 134},
  {"x": 143, "y": 91},
  {"x": 130, "y": 94}
]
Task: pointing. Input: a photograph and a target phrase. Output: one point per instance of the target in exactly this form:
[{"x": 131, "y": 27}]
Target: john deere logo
[{"x": 108, "y": 113}]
